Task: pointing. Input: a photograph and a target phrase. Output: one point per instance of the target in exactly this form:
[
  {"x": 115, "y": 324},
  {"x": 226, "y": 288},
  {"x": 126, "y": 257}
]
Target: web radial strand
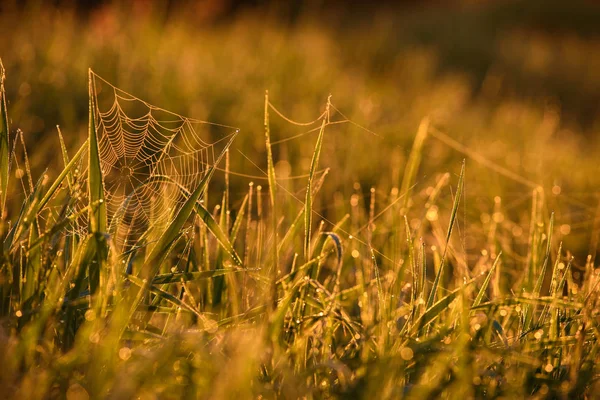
[{"x": 151, "y": 159}]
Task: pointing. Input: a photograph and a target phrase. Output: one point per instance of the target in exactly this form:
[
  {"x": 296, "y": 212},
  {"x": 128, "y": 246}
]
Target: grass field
[{"x": 396, "y": 205}]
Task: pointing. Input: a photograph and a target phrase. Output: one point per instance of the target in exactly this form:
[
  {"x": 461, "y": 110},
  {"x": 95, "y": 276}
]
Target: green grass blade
[
  {"x": 486, "y": 282},
  {"x": 65, "y": 155},
  {"x": 4, "y": 142},
  {"x": 64, "y": 173},
  {"x": 292, "y": 230},
  {"x": 238, "y": 220},
  {"x": 435, "y": 310},
  {"x": 215, "y": 229},
  {"x": 162, "y": 294},
  {"x": 270, "y": 165},
  {"x": 436, "y": 282},
  {"x": 192, "y": 276},
  {"x": 172, "y": 232},
  {"x": 529, "y": 311},
  {"x": 412, "y": 262},
  {"x": 57, "y": 227},
  {"x": 273, "y": 196},
  {"x": 309, "y": 192},
  {"x": 276, "y": 324},
  {"x": 95, "y": 178},
  {"x": 218, "y": 283},
  {"x": 423, "y": 275},
  {"x": 27, "y": 217},
  {"x": 519, "y": 301},
  {"x": 99, "y": 253},
  {"x": 412, "y": 165},
  {"x": 33, "y": 266}
]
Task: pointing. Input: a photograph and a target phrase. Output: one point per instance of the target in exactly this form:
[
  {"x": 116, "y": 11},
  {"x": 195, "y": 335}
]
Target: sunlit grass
[{"x": 351, "y": 240}]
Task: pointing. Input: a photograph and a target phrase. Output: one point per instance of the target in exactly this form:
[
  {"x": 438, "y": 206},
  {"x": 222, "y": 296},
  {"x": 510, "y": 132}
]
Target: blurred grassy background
[{"x": 518, "y": 82}]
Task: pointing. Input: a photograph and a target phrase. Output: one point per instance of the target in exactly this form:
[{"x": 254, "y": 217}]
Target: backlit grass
[{"x": 338, "y": 244}]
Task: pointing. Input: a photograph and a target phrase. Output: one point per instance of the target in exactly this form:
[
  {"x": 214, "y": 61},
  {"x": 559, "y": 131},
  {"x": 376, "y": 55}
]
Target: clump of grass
[{"x": 332, "y": 312}]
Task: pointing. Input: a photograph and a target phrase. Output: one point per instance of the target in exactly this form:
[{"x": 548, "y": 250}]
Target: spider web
[{"x": 151, "y": 159}]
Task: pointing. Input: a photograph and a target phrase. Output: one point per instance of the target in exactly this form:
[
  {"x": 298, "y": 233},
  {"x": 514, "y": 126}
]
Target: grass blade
[
  {"x": 216, "y": 230},
  {"x": 486, "y": 282},
  {"x": 273, "y": 196},
  {"x": 435, "y": 310},
  {"x": 436, "y": 282},
  {"x": 65, "y": 155},
  {"x": 309, "y": 195},
  {"x": 95, "y": 178},
  {"x": 171, "y": 233},
  {"x": 65, "y": 173},
  {"x": 4, "y": 142},
  {"x": 412, "y": 165}
]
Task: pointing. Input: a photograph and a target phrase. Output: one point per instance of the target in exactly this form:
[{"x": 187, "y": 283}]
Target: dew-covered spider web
[{"x": 151, "y": 159}]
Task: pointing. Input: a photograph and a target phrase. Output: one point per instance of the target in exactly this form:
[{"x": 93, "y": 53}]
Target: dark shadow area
[{"x": 472, "y": 40}]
